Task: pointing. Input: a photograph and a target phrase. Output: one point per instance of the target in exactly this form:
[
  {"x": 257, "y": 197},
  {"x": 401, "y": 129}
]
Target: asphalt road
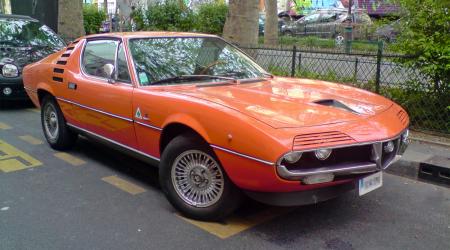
[{"x": 95, "y": 198}]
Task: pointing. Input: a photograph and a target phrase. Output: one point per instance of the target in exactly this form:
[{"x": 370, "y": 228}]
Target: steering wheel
[{"x": 209, "y": 66}]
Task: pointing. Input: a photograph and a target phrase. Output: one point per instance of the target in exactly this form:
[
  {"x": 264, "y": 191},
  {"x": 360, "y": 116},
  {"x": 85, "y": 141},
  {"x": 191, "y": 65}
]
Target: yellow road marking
[
  {"x": 35, "y": 110},
  {"x": 236, "y": 224},
  {"x": 123, "y": 185},
  {"x": 13, "y": 159},
  {"x": 4, "y": 126},
  {"x": 31, "y": 140},
  {"x": 70, "y": 159}
]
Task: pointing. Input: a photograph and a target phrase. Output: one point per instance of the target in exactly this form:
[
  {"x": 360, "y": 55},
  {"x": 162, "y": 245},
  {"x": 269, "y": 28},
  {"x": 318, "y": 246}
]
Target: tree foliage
[
  {"x": 426, "y": 36},
  {"x": 211, "y": 17},
  {"x": 172, "y": 15},
  {"x": 93, "y": 18}
]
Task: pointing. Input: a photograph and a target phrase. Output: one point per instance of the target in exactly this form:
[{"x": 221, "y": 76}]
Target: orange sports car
[{"x": 218, "y": 126}]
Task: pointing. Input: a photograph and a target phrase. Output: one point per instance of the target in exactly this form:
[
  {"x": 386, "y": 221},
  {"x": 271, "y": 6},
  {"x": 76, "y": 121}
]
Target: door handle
[{"x": 72, "y": 85}]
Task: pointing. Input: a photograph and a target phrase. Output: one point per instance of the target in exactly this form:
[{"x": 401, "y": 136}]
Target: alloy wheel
[{"x": 197, "y": 178}]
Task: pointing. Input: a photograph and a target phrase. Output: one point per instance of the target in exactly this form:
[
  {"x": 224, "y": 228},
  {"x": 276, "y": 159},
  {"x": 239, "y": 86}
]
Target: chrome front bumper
[{"x": 377, "y": 163}]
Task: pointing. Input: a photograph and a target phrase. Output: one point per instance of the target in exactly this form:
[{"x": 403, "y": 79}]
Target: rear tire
[
  {"x": 194, "y": 182},
  {"x": 54, "y": 126}
]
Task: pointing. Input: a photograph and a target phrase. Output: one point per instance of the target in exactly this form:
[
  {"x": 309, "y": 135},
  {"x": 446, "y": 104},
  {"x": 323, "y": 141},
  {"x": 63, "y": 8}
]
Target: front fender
[{"x": 189, "y": 121}]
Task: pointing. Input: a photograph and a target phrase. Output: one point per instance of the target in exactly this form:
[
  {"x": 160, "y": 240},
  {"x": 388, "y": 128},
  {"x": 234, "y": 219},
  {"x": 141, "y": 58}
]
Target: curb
[
  {"x": 421, "y": 171},
  {"x": 443, "y": 144}
]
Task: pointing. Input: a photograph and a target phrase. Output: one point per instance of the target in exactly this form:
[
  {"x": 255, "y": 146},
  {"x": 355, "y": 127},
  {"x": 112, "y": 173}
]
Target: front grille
[
  {"x": 338, "y": 157},
  {"x": 314, "y": 140}
]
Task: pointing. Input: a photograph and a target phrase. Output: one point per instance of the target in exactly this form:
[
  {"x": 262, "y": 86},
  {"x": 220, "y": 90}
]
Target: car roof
[
  {"x": 18, "y": 17},
  {"x": 141, "y": 34}
]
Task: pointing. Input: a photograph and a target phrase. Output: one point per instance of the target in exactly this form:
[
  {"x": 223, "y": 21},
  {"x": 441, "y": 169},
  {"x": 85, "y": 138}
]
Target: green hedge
[
  {"x": 211, "y": 18},
  {"x": 173, "y": 15},
  {"x": 92, "y": 18}
]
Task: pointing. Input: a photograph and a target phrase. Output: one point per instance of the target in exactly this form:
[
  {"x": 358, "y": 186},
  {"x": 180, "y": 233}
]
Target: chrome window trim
[
  {"x": 81, "y": 66},
  {"x": 114, "y": 142},
  {"x": 94, "y": 109},
  {"x": 187, "y": 36},
  {"x": 242, "y": 155},
  {"x": 126, "y": 61}
]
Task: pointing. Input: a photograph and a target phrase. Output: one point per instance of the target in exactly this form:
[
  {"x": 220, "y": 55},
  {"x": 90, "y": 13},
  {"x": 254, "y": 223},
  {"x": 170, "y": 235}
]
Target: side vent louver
[
  {"x": 323, "y": 139},
  {"x": 57, "y": 79},
  {"x": 58, "y": 70},
  {"x": 61, "y": 62}
]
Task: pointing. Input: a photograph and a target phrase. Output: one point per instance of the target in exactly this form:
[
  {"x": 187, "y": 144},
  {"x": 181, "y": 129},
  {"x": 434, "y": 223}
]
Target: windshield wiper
[
  {"x": 268, "y": 74},
  {"x": 190, "y": 78}
]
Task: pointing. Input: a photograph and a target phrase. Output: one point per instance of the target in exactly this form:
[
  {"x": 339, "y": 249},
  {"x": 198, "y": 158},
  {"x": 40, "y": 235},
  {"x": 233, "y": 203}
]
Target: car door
[
  {"x": 326, "y": 24},
  {"x": 102, "y": 103},
  {"x": 311, "y": 22}
]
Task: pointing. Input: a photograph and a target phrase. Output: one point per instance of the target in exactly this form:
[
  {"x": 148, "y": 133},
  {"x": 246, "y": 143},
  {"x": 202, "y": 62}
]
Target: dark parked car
[
  {"x": 262, "y": 23},
  {"x": 328, "y": 23},
  {"x": 23, "y": 40},
  {"x": 389, "y": 32}
]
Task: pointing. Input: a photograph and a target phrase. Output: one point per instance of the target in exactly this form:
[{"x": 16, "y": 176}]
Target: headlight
[
  {"x": 405, "y": 137},
  {"x": 389, "y": 147},
  {"x": 10, "y": 70},
  {"x": 292, "y": 157},
  {"x": 322, "y": 154}
]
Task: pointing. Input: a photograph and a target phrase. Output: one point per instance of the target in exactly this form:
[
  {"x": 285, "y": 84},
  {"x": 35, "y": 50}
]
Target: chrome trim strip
[
  {"x": 114, "y": 142},
  {"x": 242, "y": 155},
  {"x": 29, "y": 89},
  {"x": 96, "y": 110},
  {"x": 147, "y": 125},
  {"x": 357, "y": 168}
]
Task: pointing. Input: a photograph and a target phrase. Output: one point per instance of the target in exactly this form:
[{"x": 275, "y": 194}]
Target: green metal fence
[{"x": 427, "y": 105}]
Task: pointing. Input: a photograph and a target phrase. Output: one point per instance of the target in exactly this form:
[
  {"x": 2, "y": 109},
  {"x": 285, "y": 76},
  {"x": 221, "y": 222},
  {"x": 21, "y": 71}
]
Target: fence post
[
  {"x": 299, "y": 61},
  {"x": 294, "y": 56},
  {"x": 378, "y": 73},
  {"x": 355, "y": 75}
]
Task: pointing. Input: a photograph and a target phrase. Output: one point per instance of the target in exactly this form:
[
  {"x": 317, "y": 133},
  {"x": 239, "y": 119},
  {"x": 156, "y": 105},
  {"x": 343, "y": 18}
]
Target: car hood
[
  {"x": 22, "y": 56},
  {"x": 288, "y": 102}
]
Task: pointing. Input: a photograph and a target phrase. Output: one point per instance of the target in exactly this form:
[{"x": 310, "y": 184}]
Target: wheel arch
[
  {"x": 42, "y": 91},
  {"x": 176, "y": 128}
]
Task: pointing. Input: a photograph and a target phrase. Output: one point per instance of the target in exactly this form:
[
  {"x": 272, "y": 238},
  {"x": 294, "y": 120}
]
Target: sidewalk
[{"x": 425, "y": 159}]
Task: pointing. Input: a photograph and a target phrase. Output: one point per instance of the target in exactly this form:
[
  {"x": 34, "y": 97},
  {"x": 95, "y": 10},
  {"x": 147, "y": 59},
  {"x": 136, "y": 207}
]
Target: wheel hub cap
[
  {"x": 51, "y": 122},
  {"x": 197, "y": 178}
]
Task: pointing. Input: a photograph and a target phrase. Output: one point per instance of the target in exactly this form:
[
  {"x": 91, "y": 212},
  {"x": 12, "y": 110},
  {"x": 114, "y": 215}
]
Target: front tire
[
  {"x": 194, "y": 182},
  {"x": 56, "y": 132}
]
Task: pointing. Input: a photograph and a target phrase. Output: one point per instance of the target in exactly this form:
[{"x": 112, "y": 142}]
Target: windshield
[
  {"x": 21, "y": 33},
  {"x": 158, "y": 59}
]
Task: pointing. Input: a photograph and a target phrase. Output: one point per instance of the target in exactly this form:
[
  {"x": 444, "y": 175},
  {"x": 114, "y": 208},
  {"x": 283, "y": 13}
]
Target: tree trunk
[
  {"x": 241, "y": 26},
  {"x": 70, "y": 19},
  {"x": 105, "y": 6},
  {"x": 271, "y": 25}
]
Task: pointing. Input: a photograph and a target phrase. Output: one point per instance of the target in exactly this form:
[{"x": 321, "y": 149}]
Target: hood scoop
[{"x": 335, "y": 104}]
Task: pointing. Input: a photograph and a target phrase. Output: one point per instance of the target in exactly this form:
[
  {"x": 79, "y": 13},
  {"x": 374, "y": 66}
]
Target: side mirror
[{"x": 108, "y": 69}]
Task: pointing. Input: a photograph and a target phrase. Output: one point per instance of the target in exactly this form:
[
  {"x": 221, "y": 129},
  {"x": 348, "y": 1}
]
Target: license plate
[{"x": 370, "y": 183}]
